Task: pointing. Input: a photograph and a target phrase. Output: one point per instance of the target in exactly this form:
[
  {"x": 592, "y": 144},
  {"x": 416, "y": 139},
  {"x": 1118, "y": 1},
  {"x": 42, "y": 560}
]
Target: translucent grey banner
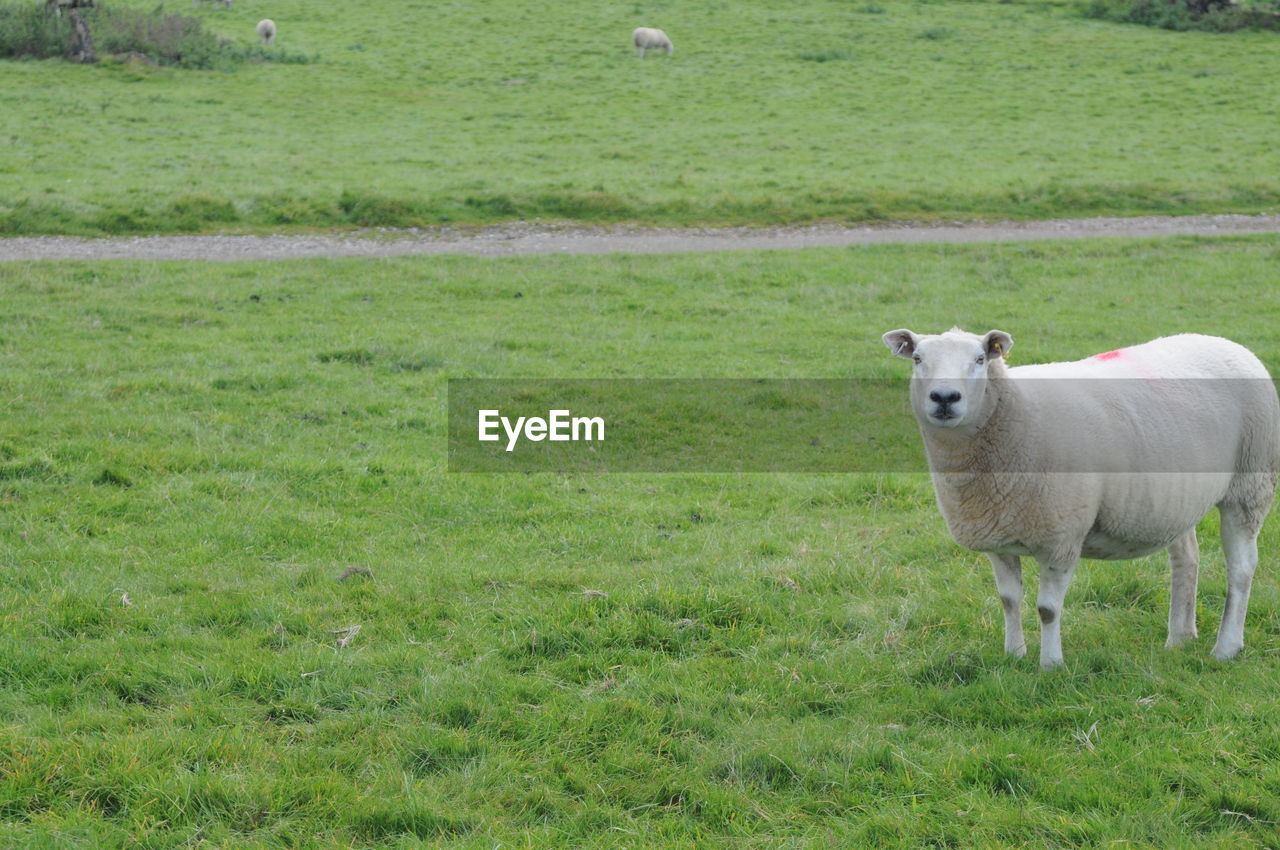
[{"x": 853, "y": 425}]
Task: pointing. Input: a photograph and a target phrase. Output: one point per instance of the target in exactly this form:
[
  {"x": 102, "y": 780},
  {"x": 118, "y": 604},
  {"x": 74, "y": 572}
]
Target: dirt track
[{"x": 526, "y": 238}]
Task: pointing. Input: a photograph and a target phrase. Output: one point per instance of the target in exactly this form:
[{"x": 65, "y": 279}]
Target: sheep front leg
[
  {"x": 1184, "y": 567},
  {"x": 1008, "y": 570},
  {"x": 1240, "y": 548},
  {"x": 1055, "y": 578}
]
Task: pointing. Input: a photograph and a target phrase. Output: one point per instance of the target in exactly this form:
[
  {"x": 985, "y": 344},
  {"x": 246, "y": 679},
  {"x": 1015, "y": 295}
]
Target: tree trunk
[{"x": 81, "y": 41}]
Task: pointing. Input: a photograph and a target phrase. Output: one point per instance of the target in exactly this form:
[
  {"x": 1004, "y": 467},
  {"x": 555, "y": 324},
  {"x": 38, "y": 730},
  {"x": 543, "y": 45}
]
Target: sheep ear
[
  {"x": 901, "y": 342},
  {"x": 998, "y": 343}
]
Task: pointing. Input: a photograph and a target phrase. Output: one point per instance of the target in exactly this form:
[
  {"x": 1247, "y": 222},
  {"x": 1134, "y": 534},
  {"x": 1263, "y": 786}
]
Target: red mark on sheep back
[{"x": 1107, "y": 355}]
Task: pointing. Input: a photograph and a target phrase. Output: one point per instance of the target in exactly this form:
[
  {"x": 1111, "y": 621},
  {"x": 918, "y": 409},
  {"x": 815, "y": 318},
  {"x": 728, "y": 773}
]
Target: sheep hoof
[
  {"x": 1227, "y": 652},
  {"x": 1175, "y": 641}
]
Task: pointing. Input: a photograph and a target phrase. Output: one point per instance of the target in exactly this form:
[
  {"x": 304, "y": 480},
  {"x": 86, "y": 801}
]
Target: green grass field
[
  {"x": 430, "y": 112},
  {"x": 794, "y": 660}
]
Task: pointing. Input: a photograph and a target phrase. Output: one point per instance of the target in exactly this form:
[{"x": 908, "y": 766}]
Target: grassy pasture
[
  {"x": 423, "y": 112},
  {"x": 797, "y": 659}
]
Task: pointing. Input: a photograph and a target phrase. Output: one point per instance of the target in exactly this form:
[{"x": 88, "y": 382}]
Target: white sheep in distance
[
  {"x": 648, "y": 38},
  {"x": 1111, "y": 457},
  {"x": 267, "y": 31},
  {"x": 216, "y": 3}
]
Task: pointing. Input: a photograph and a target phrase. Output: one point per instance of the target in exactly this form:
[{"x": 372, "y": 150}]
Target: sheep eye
[
  {"x": 916, "y": 358},
  {"x": 981, "y": 359}
]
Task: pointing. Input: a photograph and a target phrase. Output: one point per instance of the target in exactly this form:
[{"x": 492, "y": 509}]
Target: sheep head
[{"x": 949, "y": 380}]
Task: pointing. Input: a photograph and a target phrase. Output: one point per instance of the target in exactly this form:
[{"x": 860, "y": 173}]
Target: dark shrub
[
  {"x": 1210, "y": 15},
  {"x": 26, "y": 30}
]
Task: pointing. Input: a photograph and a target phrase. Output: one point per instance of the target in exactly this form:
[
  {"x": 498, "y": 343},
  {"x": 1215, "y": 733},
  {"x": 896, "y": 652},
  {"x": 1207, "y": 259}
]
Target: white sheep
[
  {"x": 1111, "y": 457},
  {"x": 648, "y": 38},
  {"x": 267, "y": 31},
  {"x": 226, "y": 3}
]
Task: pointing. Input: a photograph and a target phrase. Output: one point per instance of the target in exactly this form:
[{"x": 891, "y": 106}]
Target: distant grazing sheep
[
  {"x": 225, "y": 3},
  {"x": 648, "y": 38},
  {"x": 267, "y": 31},
  {"x": 1111, "y": 457}
]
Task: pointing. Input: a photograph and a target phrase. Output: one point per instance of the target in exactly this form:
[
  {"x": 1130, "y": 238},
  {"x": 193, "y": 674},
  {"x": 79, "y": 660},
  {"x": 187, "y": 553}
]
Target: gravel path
[{"x": 532, "y": 238}]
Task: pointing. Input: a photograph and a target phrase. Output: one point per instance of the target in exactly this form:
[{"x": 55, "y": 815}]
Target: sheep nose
[{"x": 944, "y": 397}]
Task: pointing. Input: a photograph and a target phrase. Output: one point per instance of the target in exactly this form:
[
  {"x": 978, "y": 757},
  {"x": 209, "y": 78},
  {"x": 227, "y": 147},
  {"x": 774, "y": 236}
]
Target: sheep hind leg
[
  {"x": 1008, "y": 571},
  {"x": 1184, "y": 568},
  {"x": 1240, "y": 528},
  {"x": 1055, "y": 578}
]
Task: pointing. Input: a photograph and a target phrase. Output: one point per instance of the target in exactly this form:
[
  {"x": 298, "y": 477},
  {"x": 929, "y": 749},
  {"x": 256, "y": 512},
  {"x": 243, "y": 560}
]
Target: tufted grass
[
  {"x": 423, "y": 112},
  {"x": 799, "y": 660}
]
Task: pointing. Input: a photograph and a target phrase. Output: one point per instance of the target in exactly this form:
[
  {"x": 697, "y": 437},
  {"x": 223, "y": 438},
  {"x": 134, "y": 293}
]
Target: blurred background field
[{"x": 417, "y": 113}]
